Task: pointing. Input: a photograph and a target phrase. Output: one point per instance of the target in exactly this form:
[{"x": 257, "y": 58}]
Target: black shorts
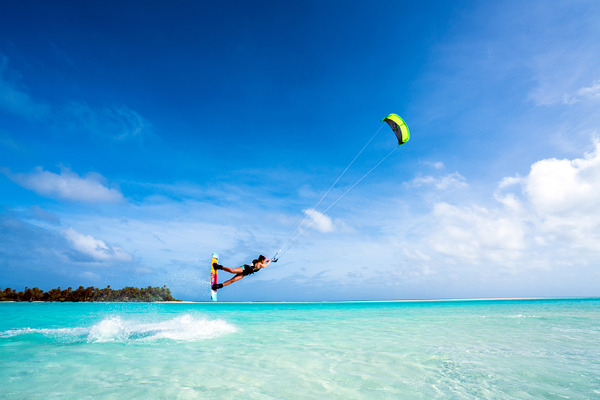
[{"x": 248, "y": 270}]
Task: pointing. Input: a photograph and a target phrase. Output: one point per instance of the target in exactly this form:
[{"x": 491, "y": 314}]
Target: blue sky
[{"x": 136, "y": 139}]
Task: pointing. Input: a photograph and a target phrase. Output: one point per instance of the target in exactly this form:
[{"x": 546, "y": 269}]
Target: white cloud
[
  {"x": 589, "y": 93},
  {"x": 319, "y": 221},
  {"x": 450, "y": 181},
  {"x": 565, "y": 186},
  {"x": 435, "y": 164},
  {"x": 476, "y": 234},
  {"x": 67, "y": 186},
  {"x": 551, "y": 214},
  {"x": 96, "y": 249},
  {"x": 564, "y": 198}
]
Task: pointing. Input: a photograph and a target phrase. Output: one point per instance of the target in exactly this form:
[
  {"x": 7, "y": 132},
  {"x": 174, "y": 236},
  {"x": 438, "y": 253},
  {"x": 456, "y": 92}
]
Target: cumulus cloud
[
  {"x": 557, "y": 187},
  {"x": 563, "y": 199},
  {"x": 551, "y": 213},
  {"x": 95, "y": 249},
  {"x": 67, "y": 186},
  {"x": 319, "y": 221},
  {"x": 565, "y": 186}
]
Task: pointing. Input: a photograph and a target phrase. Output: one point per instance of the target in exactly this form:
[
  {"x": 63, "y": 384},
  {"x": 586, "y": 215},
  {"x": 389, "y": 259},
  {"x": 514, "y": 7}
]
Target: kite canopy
[{"x": 399, "y": 127}]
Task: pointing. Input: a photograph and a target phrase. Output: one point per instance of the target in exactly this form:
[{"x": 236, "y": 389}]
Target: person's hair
[
  {"x": 261, "y": 258},
  {"x": 254, "y": 262}
]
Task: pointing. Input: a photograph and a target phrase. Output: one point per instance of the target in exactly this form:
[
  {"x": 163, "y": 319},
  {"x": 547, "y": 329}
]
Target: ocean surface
[{"x": 492, "y": 349}]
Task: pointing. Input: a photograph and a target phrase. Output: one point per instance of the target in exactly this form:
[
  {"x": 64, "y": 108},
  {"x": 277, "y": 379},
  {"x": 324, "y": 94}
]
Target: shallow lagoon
[{"x": 525, "y": 349}]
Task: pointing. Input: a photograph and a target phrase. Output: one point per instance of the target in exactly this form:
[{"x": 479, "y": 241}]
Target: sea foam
[{"x": 183, "y": 328}]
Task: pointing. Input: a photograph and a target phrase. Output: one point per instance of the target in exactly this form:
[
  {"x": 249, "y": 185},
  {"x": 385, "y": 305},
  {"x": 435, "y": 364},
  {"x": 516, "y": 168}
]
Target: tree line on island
[{"x": 89, "y": 294}]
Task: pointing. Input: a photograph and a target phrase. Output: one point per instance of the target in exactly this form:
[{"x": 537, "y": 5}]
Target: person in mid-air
[{"x": 240, "y": 272}]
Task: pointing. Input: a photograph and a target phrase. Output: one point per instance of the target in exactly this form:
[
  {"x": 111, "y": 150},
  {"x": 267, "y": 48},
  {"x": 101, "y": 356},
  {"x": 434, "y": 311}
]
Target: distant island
[{"x": 89, "y": 294}]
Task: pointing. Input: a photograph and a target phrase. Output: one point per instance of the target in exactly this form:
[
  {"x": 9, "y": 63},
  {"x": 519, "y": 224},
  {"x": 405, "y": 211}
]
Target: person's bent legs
[
  {"x": 227, "y": 269},
  {"x": 236, "y": 278}
]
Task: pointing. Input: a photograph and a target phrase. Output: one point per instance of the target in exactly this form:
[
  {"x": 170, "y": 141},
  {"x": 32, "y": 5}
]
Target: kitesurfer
[{"x": 240, "y": 272}]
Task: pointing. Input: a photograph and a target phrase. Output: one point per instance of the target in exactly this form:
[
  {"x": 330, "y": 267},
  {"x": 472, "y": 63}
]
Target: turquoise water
[{"x": 522, "y": 349}]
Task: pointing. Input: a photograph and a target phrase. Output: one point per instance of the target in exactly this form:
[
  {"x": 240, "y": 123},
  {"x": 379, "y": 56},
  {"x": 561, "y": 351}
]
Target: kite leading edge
[{"x": 399, "y": 127}]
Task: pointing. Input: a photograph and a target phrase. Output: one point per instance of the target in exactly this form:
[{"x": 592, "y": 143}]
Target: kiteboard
[{"x": 213, "y": 276}]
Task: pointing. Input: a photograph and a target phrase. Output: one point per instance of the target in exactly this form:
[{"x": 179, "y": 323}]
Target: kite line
[{"x": 402, "y": 133}]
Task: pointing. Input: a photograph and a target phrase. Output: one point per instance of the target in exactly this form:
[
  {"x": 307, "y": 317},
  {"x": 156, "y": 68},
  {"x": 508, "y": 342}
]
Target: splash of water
[{"x": 183, "y": 328}]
